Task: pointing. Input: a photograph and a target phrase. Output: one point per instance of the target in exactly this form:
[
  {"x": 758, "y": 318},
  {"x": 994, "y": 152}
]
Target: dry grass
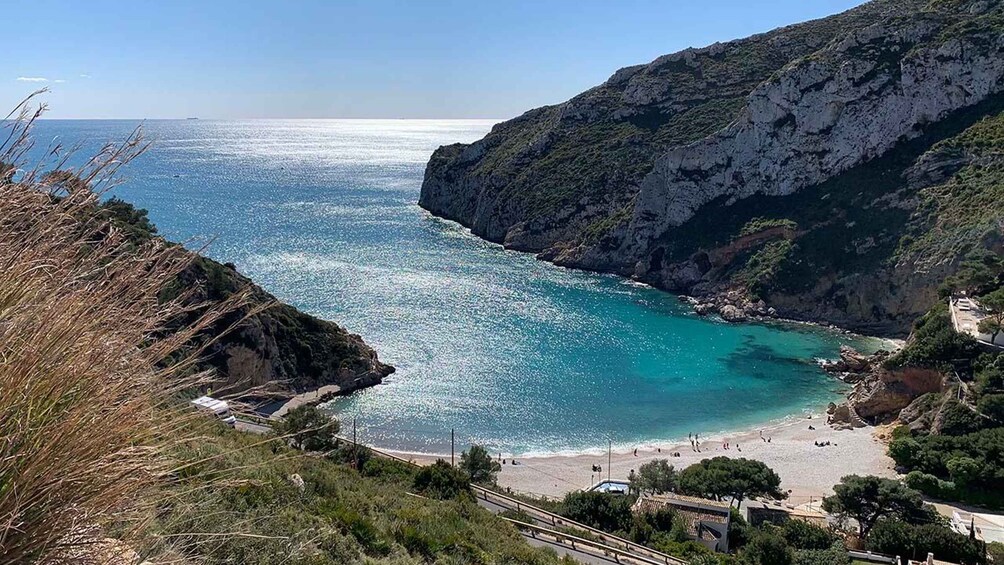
[{"x": 86, "y": 409}]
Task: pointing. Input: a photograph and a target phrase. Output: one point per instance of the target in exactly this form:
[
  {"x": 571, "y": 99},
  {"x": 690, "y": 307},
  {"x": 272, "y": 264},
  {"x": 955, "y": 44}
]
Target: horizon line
[{"x": 195, "y": 119}]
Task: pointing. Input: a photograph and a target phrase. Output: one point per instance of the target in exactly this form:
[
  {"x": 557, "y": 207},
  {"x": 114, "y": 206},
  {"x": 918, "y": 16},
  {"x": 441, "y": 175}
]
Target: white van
[{"x": 218, "y": 407}]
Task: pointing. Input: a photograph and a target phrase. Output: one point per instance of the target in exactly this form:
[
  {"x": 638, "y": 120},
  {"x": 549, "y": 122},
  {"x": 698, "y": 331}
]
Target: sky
[{"x": 351, "y": 58}]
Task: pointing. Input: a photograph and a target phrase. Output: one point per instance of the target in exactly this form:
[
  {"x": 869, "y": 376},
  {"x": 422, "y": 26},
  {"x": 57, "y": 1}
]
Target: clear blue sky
[{"x": 365, "y": 58}]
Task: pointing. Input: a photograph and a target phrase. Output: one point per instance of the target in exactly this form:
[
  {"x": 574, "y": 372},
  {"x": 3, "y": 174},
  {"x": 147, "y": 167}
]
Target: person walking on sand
[{"x": 636, "y": 452}]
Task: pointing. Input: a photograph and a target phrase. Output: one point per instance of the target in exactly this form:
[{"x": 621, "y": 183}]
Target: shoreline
[{"x": 807, "y": 471}]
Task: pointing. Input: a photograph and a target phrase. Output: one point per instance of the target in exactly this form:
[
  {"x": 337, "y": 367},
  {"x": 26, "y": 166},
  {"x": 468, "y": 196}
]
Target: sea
[{"x": 491, "y": 346}]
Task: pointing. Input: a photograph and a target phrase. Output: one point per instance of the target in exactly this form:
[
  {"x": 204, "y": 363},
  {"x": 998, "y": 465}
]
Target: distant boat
[{"x": 191, "y": 118}]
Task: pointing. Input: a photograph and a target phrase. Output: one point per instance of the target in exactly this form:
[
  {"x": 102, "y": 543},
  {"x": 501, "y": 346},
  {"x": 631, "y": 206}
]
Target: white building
[{"x": 989, "y": 527}]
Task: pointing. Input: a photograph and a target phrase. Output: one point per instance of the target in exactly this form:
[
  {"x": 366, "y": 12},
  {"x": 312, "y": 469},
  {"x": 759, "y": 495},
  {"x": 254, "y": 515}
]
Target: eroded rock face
[
  {"x": 821, "y": 117},
  {"x": 881, "y": 396}
]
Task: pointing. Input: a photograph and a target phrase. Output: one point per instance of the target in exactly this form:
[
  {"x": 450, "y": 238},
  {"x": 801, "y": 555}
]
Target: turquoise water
[{"x": 509, "y": 351}]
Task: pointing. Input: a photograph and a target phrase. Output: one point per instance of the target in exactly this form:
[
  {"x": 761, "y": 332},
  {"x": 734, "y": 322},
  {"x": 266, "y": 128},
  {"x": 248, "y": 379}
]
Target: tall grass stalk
[{"x": 90, "y": 358}]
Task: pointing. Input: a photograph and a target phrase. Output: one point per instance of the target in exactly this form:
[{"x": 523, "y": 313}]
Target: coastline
[{"x": 808, "y": 471}]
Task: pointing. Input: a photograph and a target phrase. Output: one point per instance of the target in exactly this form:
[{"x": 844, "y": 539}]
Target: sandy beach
[{"x": 808, "y": 471}]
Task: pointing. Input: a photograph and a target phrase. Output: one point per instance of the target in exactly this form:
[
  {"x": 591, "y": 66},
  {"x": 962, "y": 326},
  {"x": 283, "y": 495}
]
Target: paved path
[
  {"x": 305, "y": 398},
  {"x": 966, "y": 321}
]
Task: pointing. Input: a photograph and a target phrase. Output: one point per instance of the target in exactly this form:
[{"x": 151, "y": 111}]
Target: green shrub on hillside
[
  {"x": 914, "y": 541},
  {"x": 441, "y": 480},
  {"x": 935, "y": 343},
  {"x": 242, "y": 504},
  {"x": 936, "y": 462}
]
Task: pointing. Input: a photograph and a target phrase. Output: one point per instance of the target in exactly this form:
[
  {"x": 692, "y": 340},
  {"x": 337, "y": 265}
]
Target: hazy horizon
[{"x": 382, "y": 59}]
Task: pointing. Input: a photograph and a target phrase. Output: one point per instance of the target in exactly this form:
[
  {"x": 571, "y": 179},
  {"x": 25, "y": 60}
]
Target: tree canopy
[
  {"x": 737, "y": 479},
  {"x": 479, "y": 465},
  {"x": 993, "y": 324},
  {"x": 866, "y": 499},
  {"x": 656, "y": 477}
]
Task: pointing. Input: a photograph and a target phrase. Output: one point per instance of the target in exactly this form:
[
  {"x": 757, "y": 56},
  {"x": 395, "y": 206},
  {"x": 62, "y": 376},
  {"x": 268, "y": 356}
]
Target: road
[{"x": 251, "y": 427}]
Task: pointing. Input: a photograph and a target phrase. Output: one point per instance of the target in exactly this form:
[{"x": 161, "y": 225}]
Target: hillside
[
  {"x": 278, "y": 349},
  {"x": 266, "y": 503},
  {"x": 821, "y": 171}
]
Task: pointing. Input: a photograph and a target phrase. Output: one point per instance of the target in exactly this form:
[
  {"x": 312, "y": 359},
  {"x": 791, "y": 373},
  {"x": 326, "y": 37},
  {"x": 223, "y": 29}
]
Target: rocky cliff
[
  {"x": 272, "y": 347},
  {"x": 833, "y": 130}
]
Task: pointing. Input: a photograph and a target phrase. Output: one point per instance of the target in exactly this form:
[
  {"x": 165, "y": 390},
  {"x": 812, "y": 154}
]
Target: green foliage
[
  {"x": 934, "y": 342},
  {"x": 869, "y": 498},
  {"x": 760, "y": 273},
  {"x": 836, "y": 554},
  {"x": 441, "y": 480},
  {"x": 959, "y": 419},
  {"x": 757, "y": 225},
  {"x": 479, "y": 465},
  {"x": 992, "y": 406},
  {"x": 977, "y": 460},
  {"x": 600, "y": 510},
  {"x": 656, "y": 476},
  {"x": 996, "y": 551},
  {"x": 993, "y": 323},
  {"x": 738, "y": 479},
  {"x": 767, "y": 548},
  {"x": 739, "y": 529},
  {"x": 990, "y": 374},
  {"x": 518, "y": 515},
  {"x": 981, "y": 272},
  {"x": 131, "y": 220},
  {"x": 340, "y": 516},
  {"x": 803, "y": 535},
  {"x": 308, "y": 428},
  {"x": 897, "y": 537}
]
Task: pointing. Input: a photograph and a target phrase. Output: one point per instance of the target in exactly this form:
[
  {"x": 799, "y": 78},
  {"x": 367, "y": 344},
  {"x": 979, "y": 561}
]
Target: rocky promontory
[
  {"x": 267, "y": 349},
  {"x": 880, "y": 393},
  {"x": 804, "y": 169}
]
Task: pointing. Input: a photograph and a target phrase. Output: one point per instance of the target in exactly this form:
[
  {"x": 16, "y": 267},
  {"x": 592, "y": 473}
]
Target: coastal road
[
  {"x": 561, "y": 549},
  {"x": 251, "y": 427}
]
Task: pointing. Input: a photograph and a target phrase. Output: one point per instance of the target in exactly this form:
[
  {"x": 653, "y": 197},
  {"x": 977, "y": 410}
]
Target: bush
[
  {"x": 803, "y": 535},
  {"x": 308, "y": 428},
  {"x": 767, "y": 548},
  {"x": 441, "y": 480},
  {"x": 974, "y": 457},
  {"x": 916, "y": 541},
  {"x": 992, "y": 406},
  {"x": 996, "y": 552},
  {"x": 354, "y": 455},
  {"x": 603, "y": 511},
  {"x": 957, "y": 419},
  {"x": 934, "y": 342},
  {"x": 836, "y": 554}
]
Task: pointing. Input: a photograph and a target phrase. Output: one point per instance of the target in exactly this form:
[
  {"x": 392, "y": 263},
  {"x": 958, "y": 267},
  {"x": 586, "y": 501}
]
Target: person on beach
[{"x": 636, "y": 452}]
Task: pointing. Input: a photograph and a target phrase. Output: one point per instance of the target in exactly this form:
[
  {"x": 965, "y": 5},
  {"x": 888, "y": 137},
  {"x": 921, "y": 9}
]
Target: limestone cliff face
[
  {"x": 824, "y": 126},
  {"x": 845, "y": 105}
]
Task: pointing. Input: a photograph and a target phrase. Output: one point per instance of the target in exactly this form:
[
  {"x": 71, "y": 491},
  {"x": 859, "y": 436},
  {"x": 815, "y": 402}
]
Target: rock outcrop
[
  {"x": 788, "y": 166},
  {"x": 272, "y": 350},
  {"x": 880, "y": 394}
]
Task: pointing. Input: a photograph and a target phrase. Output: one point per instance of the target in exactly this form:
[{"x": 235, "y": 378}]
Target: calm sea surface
[{"x": 511, "y": 352}]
